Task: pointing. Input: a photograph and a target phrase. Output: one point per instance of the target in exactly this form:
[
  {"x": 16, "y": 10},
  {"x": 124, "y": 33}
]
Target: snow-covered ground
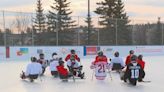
[{"x": 10, "y": 81}]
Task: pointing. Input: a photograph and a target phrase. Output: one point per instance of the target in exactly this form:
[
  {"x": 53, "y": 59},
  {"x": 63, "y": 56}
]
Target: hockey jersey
[
  {"x": 62, "y": 71},
  {"x": 53, "y": 65},
  {"x": 133, "y": 71},
  {"x": 128, "y": 59},
  {"x": 72, "y": 56},
  {"x": 142, "y": 63},
  {"x": 100, "y": 70},
  {"x": 33, "y": 68}
]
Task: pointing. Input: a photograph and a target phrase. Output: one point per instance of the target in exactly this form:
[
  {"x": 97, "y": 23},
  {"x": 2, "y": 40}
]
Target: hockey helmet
[
  {"x": 54, "y": 56},
  {"x": 33, "y": 59},
  {"x": 131, "y": 51},
  {"x": 133, "y": 58},
  {"x": 100, "y": 53},
  {"x": 72, "y": 51},
  {"x": 140, "y": 57},
  {"x": 61, "y": 62},
  {"x": 116, "y": 54}
]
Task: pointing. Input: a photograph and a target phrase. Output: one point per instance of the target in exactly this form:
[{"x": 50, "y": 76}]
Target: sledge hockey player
[
  {"x": 117, "y": 63},
  {"x": 54, "y": 62},
  {"x": 72, "y": 56},
  {"x": 100, "y": 65},
  {"x": 142, "y": 63},
  {"x": 131, "y": 52},
  {"x": 133, "y": 71},
  {"x": 43, "y": 62},
  {"x": 33, "y": 70},
  {"x": 73, "y": 64},
  {"x": 63, "y": 72}
]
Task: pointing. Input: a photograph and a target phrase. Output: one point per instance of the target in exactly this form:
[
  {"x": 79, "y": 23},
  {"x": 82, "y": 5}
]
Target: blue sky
[{"x": 138, "y": 9}]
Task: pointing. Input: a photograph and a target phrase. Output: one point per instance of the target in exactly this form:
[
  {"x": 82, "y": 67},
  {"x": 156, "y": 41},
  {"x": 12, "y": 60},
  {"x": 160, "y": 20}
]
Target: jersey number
[
  {"x": 134, "y": 73},
  {"x": 101, "y": 68}
]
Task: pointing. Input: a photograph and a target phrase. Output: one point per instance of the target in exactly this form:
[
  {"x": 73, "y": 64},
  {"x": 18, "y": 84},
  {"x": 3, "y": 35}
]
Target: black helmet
[
  {"x": 100, "y": 53},
  {"x": 140, "y": 57},
  {"x": 73, "y": 51},
  {"x": 133, "y": 58},
  {"x": 131, "y": 51},
  {"x": 61, "y": 62},
  {"x": 116, "y": 54},
  {"x": 54, "y": 53},
  {"x": 41, "y": 54},
  {"x": 60, "y": 59},
  {"x": 33, "y": 59}
]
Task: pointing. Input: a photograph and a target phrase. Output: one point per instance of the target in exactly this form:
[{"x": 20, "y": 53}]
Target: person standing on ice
[
  {"x": 100, "y": 65},
  {"x": 33, "y": 70},
  {"x": 43, "y": 62},
  {"x": 54, "y": 62},
  {"x": 127, "y": 61},
  {"x": 117, "y": 62}
]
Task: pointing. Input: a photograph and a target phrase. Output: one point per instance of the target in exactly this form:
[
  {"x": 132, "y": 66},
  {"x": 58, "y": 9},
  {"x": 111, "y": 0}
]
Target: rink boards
[{"x": 19, "y": 53}]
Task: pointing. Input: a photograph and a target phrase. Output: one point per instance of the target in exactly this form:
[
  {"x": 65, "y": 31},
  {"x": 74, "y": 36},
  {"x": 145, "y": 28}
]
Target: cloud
[
  {"x": 145, "y": 10},
  {"x": 14, "y": 3},
  {"x": 155, "y": 3},
  {"x": 135, "y": 8}
]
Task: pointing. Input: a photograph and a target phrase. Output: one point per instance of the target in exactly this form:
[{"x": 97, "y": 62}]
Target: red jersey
[
  {"x": 69, "y": 56},
  {"x": 62, "y": 70},
  {"x": 100, "y": 59},
  {"x": 142, "y": 63},
  {"x": 128, "y": 59}
]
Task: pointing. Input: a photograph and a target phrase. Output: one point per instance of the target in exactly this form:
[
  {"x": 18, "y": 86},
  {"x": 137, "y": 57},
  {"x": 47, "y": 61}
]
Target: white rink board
[
  {"x": 35, "y": 51},
  {"x": 23, "y": 53},
  {"x": 124, "y": 50},
  {"x": 2, "y": 53}
]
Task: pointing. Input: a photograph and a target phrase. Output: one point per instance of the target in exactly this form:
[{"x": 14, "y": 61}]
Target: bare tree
[{"x": 21, "y": 24}]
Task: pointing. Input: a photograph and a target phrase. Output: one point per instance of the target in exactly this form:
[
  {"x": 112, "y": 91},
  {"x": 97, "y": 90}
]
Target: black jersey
[{"x": 133, "y": 71}]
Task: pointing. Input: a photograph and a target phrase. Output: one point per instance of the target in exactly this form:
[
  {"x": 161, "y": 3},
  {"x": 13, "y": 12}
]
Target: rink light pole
[
  {"x": 89, "y": 22},
  {"x": 4, "y": 27}
]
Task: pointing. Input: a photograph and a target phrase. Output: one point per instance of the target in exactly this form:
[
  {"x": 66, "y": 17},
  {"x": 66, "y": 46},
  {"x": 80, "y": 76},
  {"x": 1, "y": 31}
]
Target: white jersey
[
  {"x": 53, "y": 65},
  {"x": 100, "y": 70},
  {"x": 76, "y": 63},
  {"x": 33, "y": 68},
  {"x": 117, "y": 60}
]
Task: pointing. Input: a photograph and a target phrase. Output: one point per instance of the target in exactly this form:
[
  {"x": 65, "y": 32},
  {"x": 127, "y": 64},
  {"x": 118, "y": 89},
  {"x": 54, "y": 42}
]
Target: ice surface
[{"x": 10, "y": 81}]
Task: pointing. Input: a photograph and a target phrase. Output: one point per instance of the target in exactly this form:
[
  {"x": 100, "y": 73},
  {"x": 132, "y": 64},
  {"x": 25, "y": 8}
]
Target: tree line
[{"x": 57, "y": 27}]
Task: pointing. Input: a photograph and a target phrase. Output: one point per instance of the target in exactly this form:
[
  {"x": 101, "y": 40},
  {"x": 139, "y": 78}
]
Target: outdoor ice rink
[{"x": 10, "y": 81}]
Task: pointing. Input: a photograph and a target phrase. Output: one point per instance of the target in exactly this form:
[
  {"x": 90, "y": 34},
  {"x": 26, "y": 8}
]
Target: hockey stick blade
[{"x": 146, "y": 81}]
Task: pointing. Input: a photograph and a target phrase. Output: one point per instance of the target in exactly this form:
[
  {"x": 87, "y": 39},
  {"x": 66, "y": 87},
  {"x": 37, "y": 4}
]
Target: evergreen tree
[
  {"x": 113, "y": 17},
  {"x": 158, "y": 33},
  {"x": 59, "y": 20},
  {"x": 59, "y": 17},
  {"x": 124, "y": 36},
  {"x": 89, "y": 30},
  {"x": 106, "y": 11},
  {"x": 39, "y": 22}
]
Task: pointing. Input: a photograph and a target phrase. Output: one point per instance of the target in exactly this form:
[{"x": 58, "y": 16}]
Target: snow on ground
[{"x": 10, "y": 81}]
